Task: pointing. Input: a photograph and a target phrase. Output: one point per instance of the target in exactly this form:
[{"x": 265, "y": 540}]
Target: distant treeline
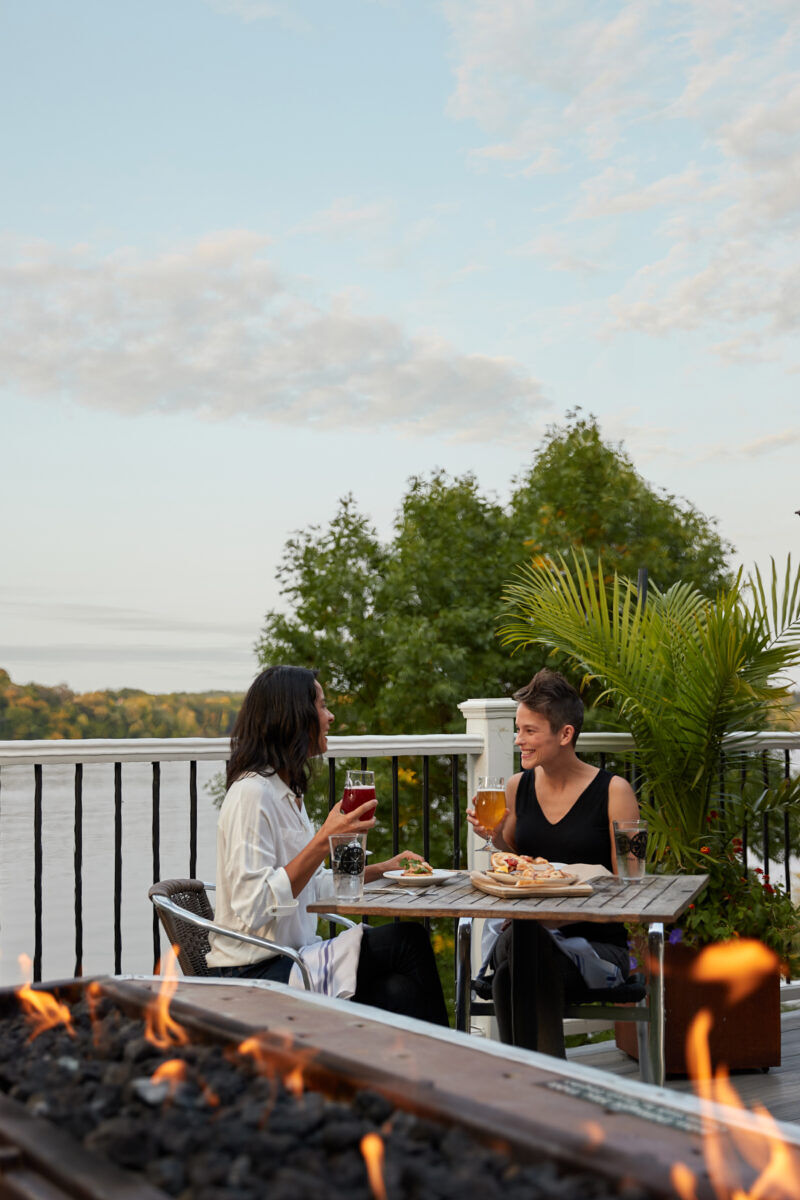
[{"x": 33, "y": 711}]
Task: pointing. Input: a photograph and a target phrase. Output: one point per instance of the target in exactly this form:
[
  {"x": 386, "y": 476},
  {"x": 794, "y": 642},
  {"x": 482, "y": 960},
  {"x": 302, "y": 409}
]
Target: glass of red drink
[{"x": 359, "y": 787}]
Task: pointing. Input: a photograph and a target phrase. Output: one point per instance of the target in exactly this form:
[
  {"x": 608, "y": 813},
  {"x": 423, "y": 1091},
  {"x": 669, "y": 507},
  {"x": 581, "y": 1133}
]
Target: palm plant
[{"x": 682, "y": 673}]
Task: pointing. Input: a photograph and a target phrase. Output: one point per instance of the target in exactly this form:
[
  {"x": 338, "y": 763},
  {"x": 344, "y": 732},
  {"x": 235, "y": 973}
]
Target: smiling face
[
  {"x": 539, "y": 746},
  {"x": 325, "y": 718}
]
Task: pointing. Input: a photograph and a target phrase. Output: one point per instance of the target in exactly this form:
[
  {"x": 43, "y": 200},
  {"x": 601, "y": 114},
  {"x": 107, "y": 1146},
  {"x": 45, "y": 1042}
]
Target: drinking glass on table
[
  {"x": 490, "y": 804},
  {"x": 630, "y": 840},
  {"x": 348, "y": 858},
  {"x": 359, "y": 787}
]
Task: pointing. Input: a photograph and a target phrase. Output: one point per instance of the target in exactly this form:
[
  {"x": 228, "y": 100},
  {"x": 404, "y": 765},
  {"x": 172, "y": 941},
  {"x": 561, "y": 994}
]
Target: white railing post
[{"x": 493, "y": 721}]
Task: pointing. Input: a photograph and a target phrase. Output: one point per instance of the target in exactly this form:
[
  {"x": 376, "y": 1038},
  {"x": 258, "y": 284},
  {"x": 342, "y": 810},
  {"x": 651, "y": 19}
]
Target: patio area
[{"x": 778, "y": 1089}]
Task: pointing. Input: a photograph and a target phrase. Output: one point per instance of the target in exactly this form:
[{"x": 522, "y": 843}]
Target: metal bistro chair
[
  {"x": 186, "y": 914},
  {"x": 636, "y": 1000}
]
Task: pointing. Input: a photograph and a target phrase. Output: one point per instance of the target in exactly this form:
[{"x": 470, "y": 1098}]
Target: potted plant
[{"x": 682, "y": 673}]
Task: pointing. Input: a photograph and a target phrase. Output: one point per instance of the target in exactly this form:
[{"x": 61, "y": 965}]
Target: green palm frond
[{"x": 681, "y": 671}]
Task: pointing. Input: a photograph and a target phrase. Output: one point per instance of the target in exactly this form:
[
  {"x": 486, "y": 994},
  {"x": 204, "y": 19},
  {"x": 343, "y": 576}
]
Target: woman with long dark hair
[{"x": 268, "y": 852}]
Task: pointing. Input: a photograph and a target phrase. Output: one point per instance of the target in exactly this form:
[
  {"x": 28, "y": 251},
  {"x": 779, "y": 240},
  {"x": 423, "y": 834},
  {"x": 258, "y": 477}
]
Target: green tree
[
  {"x": 584, "y": 493},
  {"x": 451, "y": 550},
  {"x": 403, "y": 632},
  {"x": 332, "y": 579}
]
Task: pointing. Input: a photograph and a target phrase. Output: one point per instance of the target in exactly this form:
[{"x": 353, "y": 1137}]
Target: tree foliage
[
  {"x": 31, "y": 710},
  {"x": 582, "y": 493},
  {"x": 404, "y": 631}
]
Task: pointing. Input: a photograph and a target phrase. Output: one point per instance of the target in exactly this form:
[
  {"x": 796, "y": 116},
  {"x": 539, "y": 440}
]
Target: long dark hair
[{"x": 277, "y": 729}]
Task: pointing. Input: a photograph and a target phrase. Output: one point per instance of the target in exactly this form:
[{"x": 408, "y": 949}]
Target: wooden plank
[{"x": 657, "y": 898}]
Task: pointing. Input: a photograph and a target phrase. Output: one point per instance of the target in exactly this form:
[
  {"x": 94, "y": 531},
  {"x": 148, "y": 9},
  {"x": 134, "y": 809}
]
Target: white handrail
[{"x": 111, "y": 750}]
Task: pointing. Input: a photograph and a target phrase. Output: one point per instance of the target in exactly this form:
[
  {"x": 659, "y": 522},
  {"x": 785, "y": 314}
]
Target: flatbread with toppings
[{"x": 416, "y": 866}]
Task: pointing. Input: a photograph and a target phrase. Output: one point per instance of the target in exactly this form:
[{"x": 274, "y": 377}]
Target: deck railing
[{"x": 485, "y": 749}]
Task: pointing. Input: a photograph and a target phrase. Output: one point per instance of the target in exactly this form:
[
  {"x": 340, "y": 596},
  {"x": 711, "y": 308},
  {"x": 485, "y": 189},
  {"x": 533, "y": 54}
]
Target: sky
[{"x": 255, "y": 255}]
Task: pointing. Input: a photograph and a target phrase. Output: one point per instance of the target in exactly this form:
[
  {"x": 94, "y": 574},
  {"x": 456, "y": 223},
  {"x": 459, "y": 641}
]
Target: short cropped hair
[{"x": 554, "y": 697}]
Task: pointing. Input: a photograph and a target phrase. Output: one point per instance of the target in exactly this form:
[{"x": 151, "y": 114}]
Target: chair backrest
[{"x": 191, "y": 940}]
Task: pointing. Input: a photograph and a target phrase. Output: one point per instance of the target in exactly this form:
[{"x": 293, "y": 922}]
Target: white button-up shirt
[{"x": 261, "y": 829}]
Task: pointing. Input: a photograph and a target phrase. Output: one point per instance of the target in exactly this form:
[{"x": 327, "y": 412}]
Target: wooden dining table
[{"x": 654, "y": 901}]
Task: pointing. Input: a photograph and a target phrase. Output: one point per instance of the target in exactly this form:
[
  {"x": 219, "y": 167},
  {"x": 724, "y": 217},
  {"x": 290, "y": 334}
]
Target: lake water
[{"x": 58, "y": 891}]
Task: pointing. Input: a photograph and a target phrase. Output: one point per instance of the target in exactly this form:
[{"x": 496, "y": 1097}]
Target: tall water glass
[{"x": 630, "y": 839}]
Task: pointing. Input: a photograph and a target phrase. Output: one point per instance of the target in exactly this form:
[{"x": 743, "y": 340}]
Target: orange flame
[
  {"x": 741, "y": 966},
  {"x": 774, "y": 1164},
  {"x": 93, "y": 995},
  {"x": 41, "y": 1008},
  {"x": 594, "y": 1133},
  {"x": 173, "y": 1071},
  {"x": 293, "y": 1082},
  {"x": 683, "y": 1181},
  {"x": 373, "y": 1152},
  {"x": 160, "y": 1028},
  {"x": 253, "y": 1048}
]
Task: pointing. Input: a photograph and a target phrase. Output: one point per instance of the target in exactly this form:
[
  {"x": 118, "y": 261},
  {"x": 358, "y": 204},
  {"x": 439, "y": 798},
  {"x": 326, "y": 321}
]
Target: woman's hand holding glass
[
  {"x": 359, "y": 820},
  {"x": 489, "y": 811}
]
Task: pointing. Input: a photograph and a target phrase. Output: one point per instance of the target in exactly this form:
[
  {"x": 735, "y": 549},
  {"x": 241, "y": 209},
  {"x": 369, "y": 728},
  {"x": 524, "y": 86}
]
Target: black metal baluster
[
  {"x": 765, "y": 819},
  {"x": 603, "y": 760},
  {"x": 156, "y": 840},
  {"x": 395, "y": 805},
  {"x": 37, "y": 872},
  {"x": 364, "y": 766},
  {"x": 78, "y": 869},
  {"x": 192, "y": 820},
  {"x": 426, "y": 808},
  {"x": 786, "y": 830},
  {"x": 456, "y": 812},
  {"x": 456, "y": 845},
  {"x": 426, "y": 818},
  {"x": 117, "y": 868},
  {"x": 743, "y": 785}
]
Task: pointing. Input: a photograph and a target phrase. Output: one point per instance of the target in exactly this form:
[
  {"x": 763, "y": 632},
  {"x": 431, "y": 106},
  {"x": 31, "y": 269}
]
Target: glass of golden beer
[{"x": 490, "y": 804}]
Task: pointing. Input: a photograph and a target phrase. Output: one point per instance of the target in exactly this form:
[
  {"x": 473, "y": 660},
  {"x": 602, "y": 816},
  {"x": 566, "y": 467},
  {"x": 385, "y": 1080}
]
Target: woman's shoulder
[
  {"x": 521, "y": 778},
  {"x": 253, "y": 788}
]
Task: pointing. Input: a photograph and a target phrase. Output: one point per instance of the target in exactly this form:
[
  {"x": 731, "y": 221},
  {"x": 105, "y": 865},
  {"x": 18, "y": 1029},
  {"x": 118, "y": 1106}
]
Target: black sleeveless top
[{"x": 581, "y": 836}]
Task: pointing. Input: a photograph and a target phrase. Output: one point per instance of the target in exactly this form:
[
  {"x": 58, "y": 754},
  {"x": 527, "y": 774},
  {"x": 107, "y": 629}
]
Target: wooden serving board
[{"x": 568, "y": 887}]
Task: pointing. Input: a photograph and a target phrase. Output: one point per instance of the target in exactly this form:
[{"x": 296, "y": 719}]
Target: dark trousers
[
  {"x": 532, "y": 982},
  {"x": 396, "y": 972}
]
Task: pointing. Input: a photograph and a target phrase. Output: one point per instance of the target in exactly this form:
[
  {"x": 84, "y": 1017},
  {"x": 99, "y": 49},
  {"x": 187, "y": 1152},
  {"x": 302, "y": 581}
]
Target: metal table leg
[
  {"x": 463, "y": 973},
  {"x": 651, "y": 1035}
]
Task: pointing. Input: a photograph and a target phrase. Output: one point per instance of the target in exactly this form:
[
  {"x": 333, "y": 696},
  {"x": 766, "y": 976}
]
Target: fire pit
[{"x": 153, "y": 1101}]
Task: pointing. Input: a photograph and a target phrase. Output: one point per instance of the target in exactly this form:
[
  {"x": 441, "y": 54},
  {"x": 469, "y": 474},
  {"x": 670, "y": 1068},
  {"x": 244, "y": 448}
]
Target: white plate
[{"x": 439, "y": 876}]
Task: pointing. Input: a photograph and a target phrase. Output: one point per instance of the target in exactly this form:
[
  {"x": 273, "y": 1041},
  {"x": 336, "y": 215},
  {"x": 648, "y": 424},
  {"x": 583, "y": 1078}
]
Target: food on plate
[
  {"x": 523, "y": 870},
  {"x": 415, "y": 866},
  {"x": 504, "y": 863}
]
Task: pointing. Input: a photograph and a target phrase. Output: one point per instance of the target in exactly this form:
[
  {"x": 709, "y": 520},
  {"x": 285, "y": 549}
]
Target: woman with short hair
[
  {"x": 268, "y": 853},
  {"x": 562, "y": 809}
]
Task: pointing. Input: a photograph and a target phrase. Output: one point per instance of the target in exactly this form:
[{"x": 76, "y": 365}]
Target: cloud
[
  {"x": 770, "y": 443},
  {"x": 214, "y": 329},
  {"x": 344, "y": 216},
  {"x": 676, "y": 128},
  {"x": 261, "y": 10}
]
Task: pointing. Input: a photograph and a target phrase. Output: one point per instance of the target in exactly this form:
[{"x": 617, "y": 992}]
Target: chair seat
[{"x": 631, "y": 992}]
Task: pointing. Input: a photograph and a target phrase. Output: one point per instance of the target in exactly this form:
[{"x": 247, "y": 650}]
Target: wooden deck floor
[{"x": 777, "y": 1089}]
